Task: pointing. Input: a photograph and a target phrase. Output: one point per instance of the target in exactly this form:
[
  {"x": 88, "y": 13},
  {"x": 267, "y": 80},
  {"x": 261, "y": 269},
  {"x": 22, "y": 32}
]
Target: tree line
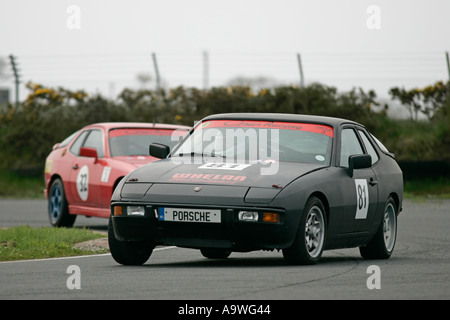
[{"x": 48, "y": 115}]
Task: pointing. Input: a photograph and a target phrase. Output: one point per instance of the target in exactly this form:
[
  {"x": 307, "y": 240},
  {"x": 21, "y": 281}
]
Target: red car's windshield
[{"x": 135, "y": 141}]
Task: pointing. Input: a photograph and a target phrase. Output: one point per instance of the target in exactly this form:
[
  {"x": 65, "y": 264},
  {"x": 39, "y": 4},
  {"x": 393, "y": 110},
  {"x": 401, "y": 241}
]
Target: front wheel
[
  {"x": 58, "y": 208},
  {"x": 212, "y": 253},
  {"x": 128, "y": 253},
  {"x": 382, "y": 244},
  {"x": 310, "y": 240}
]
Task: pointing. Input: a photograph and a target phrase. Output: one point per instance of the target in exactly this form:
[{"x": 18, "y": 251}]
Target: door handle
[
  {"x": 373, "y": 182},
  {"x": 75, "y": 167}
]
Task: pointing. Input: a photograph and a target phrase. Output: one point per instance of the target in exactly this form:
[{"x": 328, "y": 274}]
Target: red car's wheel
[{"x": 58, "y": 209}]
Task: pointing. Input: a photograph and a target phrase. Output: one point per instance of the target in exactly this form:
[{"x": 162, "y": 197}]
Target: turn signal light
[
  {"x": 118, "y": 211},
  {"x": 271, "y": 217}
]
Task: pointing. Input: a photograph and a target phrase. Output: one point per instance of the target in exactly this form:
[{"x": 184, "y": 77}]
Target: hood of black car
[{"x": 261, "y": 175}]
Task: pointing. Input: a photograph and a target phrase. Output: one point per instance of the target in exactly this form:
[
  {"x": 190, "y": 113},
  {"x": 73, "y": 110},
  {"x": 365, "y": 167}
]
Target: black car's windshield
[
  {"x": 135, "y": 141},
  {"x": 239, "y": 140}
]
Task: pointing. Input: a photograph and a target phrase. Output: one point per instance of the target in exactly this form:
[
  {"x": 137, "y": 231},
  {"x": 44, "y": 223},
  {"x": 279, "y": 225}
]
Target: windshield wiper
[{"x": 200, "y": 154}]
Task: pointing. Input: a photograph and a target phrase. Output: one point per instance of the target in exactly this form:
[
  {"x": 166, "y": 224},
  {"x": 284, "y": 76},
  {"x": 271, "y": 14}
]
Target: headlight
[
  {"x": 251, "y": 216},
  {"x": 135, "y": 211}
]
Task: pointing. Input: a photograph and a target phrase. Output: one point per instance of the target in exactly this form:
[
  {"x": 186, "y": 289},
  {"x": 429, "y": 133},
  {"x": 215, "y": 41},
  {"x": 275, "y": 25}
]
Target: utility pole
[
  {"x": 448, "y": 64},
  {"x": 205, "y": 70},
  {"x": 300, "y": 69},
  {"x": 16, "y": 76},
  {"x": 158, "y": 78}
]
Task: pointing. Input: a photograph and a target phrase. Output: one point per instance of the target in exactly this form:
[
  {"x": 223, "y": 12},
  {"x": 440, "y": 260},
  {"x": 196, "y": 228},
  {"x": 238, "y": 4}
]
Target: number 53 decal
[{"x": 362, "y": 198}]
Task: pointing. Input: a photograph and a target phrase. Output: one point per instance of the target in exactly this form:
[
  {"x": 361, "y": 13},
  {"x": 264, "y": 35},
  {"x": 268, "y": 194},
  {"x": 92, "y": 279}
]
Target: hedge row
[{"x": 29, "y": 130}]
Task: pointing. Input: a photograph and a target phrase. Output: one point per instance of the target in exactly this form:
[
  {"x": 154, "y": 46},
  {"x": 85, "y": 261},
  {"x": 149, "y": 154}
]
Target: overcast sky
[{"x": 101, "y": 45}]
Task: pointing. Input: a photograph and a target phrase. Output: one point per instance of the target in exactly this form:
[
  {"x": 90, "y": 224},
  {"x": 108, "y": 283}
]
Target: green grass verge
[
  {"x": 428, "y": 188},
  {"x": 24, "y": 242},
  {"x": 13, "y": 185}
]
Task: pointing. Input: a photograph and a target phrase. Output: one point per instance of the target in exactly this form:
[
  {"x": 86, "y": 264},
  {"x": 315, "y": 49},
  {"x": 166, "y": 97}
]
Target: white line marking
[{"x": 76, "y": 257}]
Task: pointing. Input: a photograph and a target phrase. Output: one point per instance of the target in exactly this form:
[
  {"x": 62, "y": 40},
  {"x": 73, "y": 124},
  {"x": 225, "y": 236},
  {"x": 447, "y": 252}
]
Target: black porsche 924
[{"x": 247, "y": 181}]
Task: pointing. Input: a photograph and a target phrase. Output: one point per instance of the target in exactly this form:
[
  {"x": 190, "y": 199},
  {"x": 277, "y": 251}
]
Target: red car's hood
[{"x": 134, "y": 161}]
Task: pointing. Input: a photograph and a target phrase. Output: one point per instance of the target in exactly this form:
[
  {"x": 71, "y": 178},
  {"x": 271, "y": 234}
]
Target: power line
[{"x": 217, "y": 68}]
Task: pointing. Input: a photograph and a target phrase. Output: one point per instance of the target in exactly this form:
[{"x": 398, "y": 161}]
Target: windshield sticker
[
  {"x": 207, "y": 178},
  {"x": 225, "y": 166},
  {"x": 320, "y": 157},
  {"x": 310, "y": 127},
  {"x": 139, "y": 132}
]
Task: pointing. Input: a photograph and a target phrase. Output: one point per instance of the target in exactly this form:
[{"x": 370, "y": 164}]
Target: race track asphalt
[{"x": 418, "y": 269}]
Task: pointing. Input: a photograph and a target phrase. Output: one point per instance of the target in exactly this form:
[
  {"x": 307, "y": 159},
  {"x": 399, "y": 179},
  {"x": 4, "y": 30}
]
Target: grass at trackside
[
  {"x": 25, "y": 242},
  {"x": 428, "y": 188},
  {"x": 15, "y": 186}
]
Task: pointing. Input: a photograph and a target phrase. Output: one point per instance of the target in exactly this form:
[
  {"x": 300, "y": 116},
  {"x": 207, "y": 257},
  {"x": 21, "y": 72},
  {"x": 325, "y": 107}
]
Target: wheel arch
[
  {"x": 325, "y": 203},
  {"x": 53, "y": 178},
  {"x": 396, "y": 199},
  {"x": 116, "y": 183}
]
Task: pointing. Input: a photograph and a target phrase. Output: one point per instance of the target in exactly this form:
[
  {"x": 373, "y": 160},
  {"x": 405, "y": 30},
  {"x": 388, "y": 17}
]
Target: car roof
[
  {"x": 282, "y": 117},
  {"x": 117, "y": 125}
]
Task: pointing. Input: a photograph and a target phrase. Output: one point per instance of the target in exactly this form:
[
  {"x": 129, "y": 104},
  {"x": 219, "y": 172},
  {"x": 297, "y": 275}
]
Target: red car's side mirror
[{"x": 89, "y": 152}]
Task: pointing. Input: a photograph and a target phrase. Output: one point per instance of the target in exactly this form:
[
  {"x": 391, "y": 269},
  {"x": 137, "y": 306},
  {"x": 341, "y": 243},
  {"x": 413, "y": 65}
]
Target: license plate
[{"x": 189, "y": 215}]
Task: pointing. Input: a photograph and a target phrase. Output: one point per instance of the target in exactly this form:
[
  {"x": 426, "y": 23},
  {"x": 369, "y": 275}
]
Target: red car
[{"x": 82, "y": 171}]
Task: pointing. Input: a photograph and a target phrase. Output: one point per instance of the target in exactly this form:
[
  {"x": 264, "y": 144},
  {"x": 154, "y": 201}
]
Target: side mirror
[
  {"x": 89, "y": 153},
  {"x": 358, "y": 161},
  {"x": 158, "y": 150}
]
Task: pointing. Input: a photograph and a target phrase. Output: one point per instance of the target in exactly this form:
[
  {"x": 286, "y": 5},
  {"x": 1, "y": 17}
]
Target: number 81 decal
[{"x": 362, "y": 198}]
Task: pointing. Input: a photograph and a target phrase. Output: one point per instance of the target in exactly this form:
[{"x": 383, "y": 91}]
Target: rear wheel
[
  {"x": 309, "y": 243},
  {"x": 58, "y": 208},
  {"x": 128, "y": 253},
  {"x": 382, "y": 244}
]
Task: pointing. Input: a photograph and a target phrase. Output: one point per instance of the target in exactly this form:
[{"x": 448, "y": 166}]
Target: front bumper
[{"x": 231, "y": 233}]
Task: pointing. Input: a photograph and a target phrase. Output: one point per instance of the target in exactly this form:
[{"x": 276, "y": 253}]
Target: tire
[
  {"x": 215, "y": 253},
  {"x": 58, "y": 208},
  {"x": 128, "y": 253},
  {"x": 382, "y": 244},
  {"x": 310, "y": 240}
]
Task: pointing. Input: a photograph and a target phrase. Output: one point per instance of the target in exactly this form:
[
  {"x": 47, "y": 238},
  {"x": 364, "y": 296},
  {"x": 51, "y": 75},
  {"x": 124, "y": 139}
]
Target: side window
[
  {"x": 69, "y": 139},
  {"x": 95, "y": 140},
  {"x": 369, "y": 147},
  {"x": 75, "y": 148},
  {"x": 380, "y": 145},
  {"x": 349, "y": 146}
]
